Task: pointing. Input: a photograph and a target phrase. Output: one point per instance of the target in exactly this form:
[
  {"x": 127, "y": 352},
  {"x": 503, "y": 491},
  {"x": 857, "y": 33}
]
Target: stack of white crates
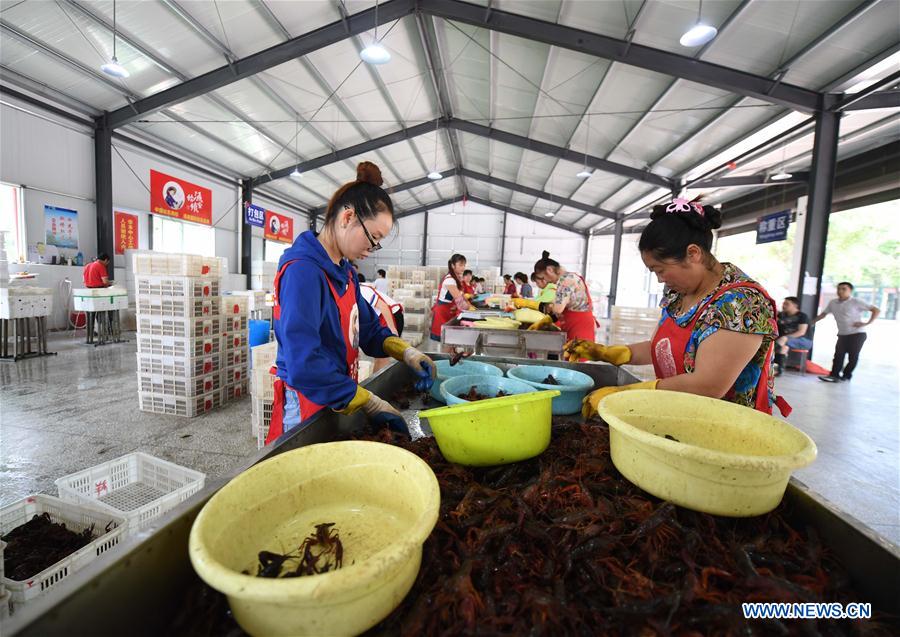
[
  {"x": 235, "y": 362},
  {"x": 185, "y": 365},
  {"x": 262, "y": 275},
  {"x": 262, "y": 390}
]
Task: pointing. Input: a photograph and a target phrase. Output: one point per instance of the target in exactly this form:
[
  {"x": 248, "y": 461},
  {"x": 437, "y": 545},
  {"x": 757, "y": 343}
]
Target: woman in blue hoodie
[{"x": 321, "y": 319}]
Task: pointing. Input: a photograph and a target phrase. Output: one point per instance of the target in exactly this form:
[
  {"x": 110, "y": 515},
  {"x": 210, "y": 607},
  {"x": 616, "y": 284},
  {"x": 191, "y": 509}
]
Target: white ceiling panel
[
  {"x": 314, "y": 14},
  {"x": 620, "y": 199},
  {"x": 467, "y": 67},
  {"x": 663, "y": 22},
  {"x": 237, "y": 23},
  {"x": 606, "y": 18}
]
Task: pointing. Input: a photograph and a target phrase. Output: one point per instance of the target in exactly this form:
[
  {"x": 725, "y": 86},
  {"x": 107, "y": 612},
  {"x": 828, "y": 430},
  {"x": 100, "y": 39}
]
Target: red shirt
[
  {"x": 93, "y": 275},
  {"x": 510, "y": 289}
]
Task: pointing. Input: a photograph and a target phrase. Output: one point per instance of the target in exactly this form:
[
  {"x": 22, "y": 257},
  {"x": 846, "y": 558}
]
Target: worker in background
[
  {"x": 547, "y": 293},
  {"x": 524, "y": 288},
  {"x": 321, "y": 318},
  {"x": 847, "y": 311},
  {"x": 467, "y": 287},
  {"x": 792, "y": 327},
  {"x": 95, "y": 273},
  {"x": 389, "y": 311},
  {"x": 381, "y": 283},
  {"x": 717, "y": 330},
  {"x": 572, "y": 307},
  {"x": 451, "y": 299},
  {"x": 509, "y": 285},
  {"x": 478, "y": 284}
]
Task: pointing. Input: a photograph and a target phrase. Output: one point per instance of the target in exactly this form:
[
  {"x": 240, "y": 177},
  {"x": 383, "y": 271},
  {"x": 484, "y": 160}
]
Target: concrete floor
[{"x": 68, "y": 412}]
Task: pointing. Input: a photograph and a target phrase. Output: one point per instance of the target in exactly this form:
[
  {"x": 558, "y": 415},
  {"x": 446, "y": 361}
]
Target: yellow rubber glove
[
  {"x": 592, "y": 401},
  {"x": 531, "y": 304},
  {"x": 580, "y": 349},
  {"x": 421, "y": 365},
  {"x": 467, "y": 296},
  {"x": 378, "y": 410},
  {"x": 541, "y": 324}
]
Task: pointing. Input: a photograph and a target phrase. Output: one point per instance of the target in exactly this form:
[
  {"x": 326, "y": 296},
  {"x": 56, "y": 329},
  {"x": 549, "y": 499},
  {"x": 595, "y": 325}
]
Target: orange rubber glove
[{"x": 580, "y": 349}]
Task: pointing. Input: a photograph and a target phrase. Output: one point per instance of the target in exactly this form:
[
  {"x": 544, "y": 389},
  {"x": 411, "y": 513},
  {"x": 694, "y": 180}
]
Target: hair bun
[
  {"x": 545, "y": 255},
  {"x": 711, "y": 219},
  {"x": 369, "y": 173}
]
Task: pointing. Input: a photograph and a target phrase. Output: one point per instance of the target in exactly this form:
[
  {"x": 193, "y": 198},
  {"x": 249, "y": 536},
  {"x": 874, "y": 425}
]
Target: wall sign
[
  {"x": 180, "y": 199},
  {"x": 773, "y": 227},
  {"x": 255, "y": 216},
  {"x": 126, "y": 232},
  {"x": 279, "y": 227},
  {"x": 61, "y": 227}
]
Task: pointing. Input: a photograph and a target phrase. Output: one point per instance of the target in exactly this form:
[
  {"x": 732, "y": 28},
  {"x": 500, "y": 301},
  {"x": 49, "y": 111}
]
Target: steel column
[
  {"x": 103, "y": 186},
  {"x": 247, "y": 232},
  {"x": 614, "y": 276},
  {"x": 503, "y": 242},
  {"x": 821, "y": 189},
  {"x": 425, "y": 241}
]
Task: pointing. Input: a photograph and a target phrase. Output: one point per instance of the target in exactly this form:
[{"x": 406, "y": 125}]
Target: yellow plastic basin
[
  {"x": 384, "y": 502},
  {"x": 494, "y": 431},
  {"x": 725, "y": 459}
]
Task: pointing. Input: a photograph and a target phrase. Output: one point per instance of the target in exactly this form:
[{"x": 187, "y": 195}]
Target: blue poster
[
  {"x": 61, "y": 227},
  {"x": 773, "y": 227},
  {"x": 255, "y": 215}
]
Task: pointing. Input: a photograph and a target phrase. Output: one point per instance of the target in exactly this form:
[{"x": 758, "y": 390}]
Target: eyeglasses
[{"x": 375, "y": 246}]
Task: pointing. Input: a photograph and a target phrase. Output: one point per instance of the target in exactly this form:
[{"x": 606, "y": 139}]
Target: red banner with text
[
  {"x": 126, "y": 227},
  {"x": 279, "y": 227},
  {"x": 180, "y": 199}
]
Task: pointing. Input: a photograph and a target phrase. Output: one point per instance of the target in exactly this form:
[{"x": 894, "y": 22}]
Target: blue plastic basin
[
  {"x": 573, "y": 386},
  {"x": 462, "y": 368},
  {"x": 486, "y": 385}
]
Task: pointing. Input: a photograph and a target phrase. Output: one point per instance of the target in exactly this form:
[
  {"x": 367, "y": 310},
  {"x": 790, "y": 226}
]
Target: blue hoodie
[{"x": 312, "y": 356}]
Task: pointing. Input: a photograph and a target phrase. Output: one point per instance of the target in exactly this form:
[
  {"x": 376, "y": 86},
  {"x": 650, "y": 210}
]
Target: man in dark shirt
[{"x": 792, "y": 327}]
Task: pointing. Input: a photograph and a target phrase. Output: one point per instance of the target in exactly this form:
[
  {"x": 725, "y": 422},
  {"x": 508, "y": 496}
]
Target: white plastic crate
[
  {"x": 256, "y": 299},
  {"x": 77, "y": 517},
  {"x": 413, "y": 338},
  {"x": 136, "y": 486},
  {"x": 164, "y": 264},
  {"x": 413, "y": 320},
  {"x": 188, "y": 406},
  {"x": 181, "y": 327},
  {"x": 235, "y": 374},
  {"x": 236, "y": 391},
  {"x": 232, "y": 323},
  {"x": 365, "y": 370},
  {"x": 178, "y": 366},
  {"x": 179, "y": 385},
  {"x": 177, "y": 346},
  {"x": 177, "y": 306},
  {"x": 234, "y": 357},
  {"x": 263, "y": 356},
  {"x": 262, "y": 384},
  {"x": 260, "y": 418},
  {"x": 413, "y": 305},
  {"x": 181, "y": 286},
  {"x": 233, "y": 305},
  {"x": 234, "y": 340}
]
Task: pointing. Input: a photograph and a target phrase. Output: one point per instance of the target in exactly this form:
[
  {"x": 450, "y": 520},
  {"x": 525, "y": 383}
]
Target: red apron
[
  {"x": 442, "y": 311},
  {"x": 580, "y": 324},
  {"x": 349, "y": 321},
  {"x": 395, "y": 307},
  {"x": 670, "y": 343}
]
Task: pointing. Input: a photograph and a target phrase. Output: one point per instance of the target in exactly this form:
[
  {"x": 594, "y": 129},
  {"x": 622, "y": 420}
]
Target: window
[
  {"x": 171, "y": 235},
  {"x": 274, "y": 250},
  {"x": 12, "y": 221}
]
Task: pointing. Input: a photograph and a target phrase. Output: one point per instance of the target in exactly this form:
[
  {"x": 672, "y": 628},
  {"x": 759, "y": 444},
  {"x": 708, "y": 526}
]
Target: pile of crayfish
[{"x": 563, "y": 545}]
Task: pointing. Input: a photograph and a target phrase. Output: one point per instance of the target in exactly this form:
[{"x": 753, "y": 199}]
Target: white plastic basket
[
  {"x": 177, "y": 306},
  {"x": 100, "y": 303},
  {"x": 262, "y": 384},
  {"x": 413, "y": 338},
  {"x": 76, "y": 516},
  {"x": 188, "y": 406},
  {"x": 183, "y": 286},
  {"x": 263, "y": 356},
  {"x": 260, "y": 418},
  {"x": 232, "y": 323},
  {"x": 413, "y": 320},
  {"x": 256, "y": 299},
  {"x": 177, "y": 346},
  {"x": 203, "y": 327},
  {"x": 163, "y": 264},
  {"x": 136, "y": 486},
  {"x": 234, "y": 357},
  {"x": 413, "y": 305},
  {"x": 234, "y": 340},
  {"x": 178, "y": 366},
  {"x": 179, "y": 385},
  {"x": 234, "y": 305}
]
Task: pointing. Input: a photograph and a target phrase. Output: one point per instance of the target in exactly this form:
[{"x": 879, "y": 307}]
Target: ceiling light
[
  {"x": 296, "y": 172},
  {"x": 114, "y": 68},
  {"x": 549, "y": 214},
  {"x": 698, "y": 35},
  {"x": 584, "y": 174},
  {"x": 781, "y": 175},
  {"x": 375, "y": 54},
  {"x": 435, "y": 175},
  {"x": 452, "y": 213}
]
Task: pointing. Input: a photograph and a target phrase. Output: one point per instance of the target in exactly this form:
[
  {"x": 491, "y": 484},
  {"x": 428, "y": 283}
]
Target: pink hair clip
[{"x": 683, "y": 205}]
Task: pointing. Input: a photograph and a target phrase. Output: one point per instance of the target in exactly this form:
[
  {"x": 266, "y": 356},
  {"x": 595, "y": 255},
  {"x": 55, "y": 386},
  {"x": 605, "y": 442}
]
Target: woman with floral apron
[
  {"x": 718, "y": 327},
  {"x": 321, "y": 319}
]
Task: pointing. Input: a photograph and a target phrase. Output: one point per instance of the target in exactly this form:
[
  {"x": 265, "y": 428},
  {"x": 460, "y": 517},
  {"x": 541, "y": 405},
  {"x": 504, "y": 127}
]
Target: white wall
[
  {"x": 637, "y": 287},
  {"x": 527, "y": 239}
]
